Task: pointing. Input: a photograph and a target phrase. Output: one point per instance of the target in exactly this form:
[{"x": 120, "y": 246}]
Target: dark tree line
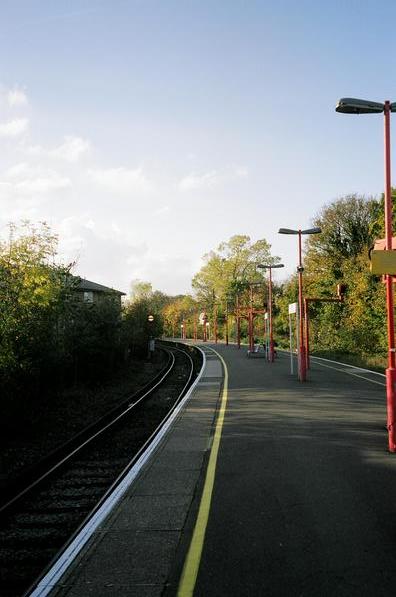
[{"x": 50, "y": 338}]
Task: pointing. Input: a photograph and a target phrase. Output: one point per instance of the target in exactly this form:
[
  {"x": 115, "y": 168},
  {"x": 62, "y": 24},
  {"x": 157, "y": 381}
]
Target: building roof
[{"x": 87, "y": 285}]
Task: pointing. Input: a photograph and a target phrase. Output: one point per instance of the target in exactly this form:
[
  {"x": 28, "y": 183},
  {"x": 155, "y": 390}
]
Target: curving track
[{"x": 41, "y": 516}]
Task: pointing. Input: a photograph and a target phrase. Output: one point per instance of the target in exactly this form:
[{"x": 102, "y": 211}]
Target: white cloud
[
  {"x": 162, "y": 210},
  {"x": 16, "y": 97},
  {"x": 23, "y": 179},
  {"x": 211, "y": 179},
  {"x": 71, "y": 150},
  {"x": 121, "y": 180},
  {"x": 90, "y": 224},
  {"x": 13, "y": 128},
  {"x": 241, "y": 172},
  {"x": 193, "y": 182}
]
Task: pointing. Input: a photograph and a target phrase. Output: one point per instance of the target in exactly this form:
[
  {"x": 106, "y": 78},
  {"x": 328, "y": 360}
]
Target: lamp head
[
  {"x": 316, "y": 230},
  {"x": 307, "y": 231},
  {"x": 351, "y": 105},
  {"x": 287, "y": 231}
]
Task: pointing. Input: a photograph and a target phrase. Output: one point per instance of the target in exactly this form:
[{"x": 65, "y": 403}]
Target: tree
[
  {"x": 179, "y": 309},
  {"x": 348, "y": 229},
  {"x": 228, "y": 273},
  {"x": 340, "y": 255},
  {"x": 229, "y": 268}
]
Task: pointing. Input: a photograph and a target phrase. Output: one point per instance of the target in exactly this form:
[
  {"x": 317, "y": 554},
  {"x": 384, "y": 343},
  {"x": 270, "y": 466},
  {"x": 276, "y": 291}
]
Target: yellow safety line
[{"x": 192, "y": 562}]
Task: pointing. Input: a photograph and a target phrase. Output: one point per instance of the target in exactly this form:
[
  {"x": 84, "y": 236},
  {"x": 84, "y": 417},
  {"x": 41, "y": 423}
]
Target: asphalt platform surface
[
  {"x": 304, "y": 500},
  {"x": 304, "y": 496}
]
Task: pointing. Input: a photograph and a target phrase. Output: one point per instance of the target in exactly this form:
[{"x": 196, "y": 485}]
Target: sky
[{"x": 147, "y": 132}]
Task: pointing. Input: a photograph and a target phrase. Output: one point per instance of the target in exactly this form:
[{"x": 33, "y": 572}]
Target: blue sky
[{"x": 148, "y": 132}]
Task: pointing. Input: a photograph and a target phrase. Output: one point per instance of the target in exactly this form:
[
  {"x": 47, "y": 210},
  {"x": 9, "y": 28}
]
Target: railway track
[{"x": 42, "y": 514}]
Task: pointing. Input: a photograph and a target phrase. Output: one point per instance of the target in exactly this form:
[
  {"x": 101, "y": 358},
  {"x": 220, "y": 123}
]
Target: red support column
[
  {"x": 303, "y": 371},
  {"x": 251, "y": 320},
  {"x": 306, "y": 312},
  {"x": 391, "y": 370},
  {"x": 238, "y": 322},
  {"x": 271, "y": 355},
  {"x": 215, "y": 323},
  {"x": 226, "y": 325}
]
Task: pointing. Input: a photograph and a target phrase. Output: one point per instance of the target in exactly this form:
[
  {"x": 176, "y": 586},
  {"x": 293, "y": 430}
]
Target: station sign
[
  {"x": 293, "y": 308},
  {"x": 383, "y": 262}
]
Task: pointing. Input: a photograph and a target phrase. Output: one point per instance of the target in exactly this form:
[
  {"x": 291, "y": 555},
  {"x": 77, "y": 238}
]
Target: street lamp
[
  {"x": 300, "y": 269},
  {"x": 348, "y": 105},
  {"x": 270, "y": 268}
]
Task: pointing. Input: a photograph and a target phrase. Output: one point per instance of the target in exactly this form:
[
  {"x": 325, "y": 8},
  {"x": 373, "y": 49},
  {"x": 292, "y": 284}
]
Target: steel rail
[
  {"x": 165, "y": 372},
  {"x": 62, "y": 560}
]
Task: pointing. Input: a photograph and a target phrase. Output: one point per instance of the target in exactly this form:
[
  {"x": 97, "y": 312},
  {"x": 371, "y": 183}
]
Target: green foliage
[
  {"x": 339, "y": 254},
  {"x": 226, "y": 278},
  {"x": 229, "y": 268},
  {"x": 49, "y": 337},
  {"x": 137, "y": 327},
  {"x": 32, "y": 290}
]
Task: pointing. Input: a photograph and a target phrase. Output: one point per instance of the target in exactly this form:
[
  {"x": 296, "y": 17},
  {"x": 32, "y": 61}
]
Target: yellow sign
[{"x": 383, "y": 262}]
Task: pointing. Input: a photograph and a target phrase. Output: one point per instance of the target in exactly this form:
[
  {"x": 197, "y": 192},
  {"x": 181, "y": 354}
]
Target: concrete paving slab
[
  {"x": 180, "y": 459},
  {"x": 163, "y": 482},
  {"x": 194, "y": 444},
  {"x": 213, "y": 369},
  {"x": 128, "y": 558},
  {"x": 150, "y": 512},
  {"x": 111, "y": 589}
]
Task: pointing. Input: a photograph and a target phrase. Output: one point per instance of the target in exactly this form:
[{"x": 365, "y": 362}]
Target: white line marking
[
  {"x": 379, "y": 383},
  {"x": 315, "y": 359},
  {"x": 348, "y": 365}
]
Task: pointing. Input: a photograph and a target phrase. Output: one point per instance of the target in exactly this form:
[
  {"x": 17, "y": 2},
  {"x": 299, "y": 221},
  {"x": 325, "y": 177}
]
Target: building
[{"x": 91, "y": 292}]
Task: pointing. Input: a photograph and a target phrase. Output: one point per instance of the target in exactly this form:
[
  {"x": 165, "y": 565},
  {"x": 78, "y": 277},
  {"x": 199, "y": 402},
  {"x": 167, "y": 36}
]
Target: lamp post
[
  {"x": 349, "y": 105},
  {"x": 270, "y": 268},
  {"x": 302, "y": 362}
]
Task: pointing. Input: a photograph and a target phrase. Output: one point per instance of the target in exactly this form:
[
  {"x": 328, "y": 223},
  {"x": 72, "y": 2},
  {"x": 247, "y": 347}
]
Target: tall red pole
[
  {"x": 238, "y": 322},
  {"x": 204, "y": 337},
  {"x": 391, "y": 370},
  {"x": 306, "y": 313},
  {"x": 271, "y": 354},
  {"x": 251, "y": 343},
  {"x": 226, "y": 324},
  {"x": 303, "y": 371}
]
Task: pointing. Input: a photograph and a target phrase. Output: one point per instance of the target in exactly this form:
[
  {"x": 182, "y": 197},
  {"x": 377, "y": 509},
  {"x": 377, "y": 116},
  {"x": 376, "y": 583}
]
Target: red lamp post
[
  {"x": 271, "y": 346},
  {"x": 302, "y": 373},
  {"x": 357, "y": 106}
]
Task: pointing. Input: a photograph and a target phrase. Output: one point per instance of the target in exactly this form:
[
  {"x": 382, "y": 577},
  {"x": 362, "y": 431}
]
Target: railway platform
[{"x": 263, "y": 486}]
